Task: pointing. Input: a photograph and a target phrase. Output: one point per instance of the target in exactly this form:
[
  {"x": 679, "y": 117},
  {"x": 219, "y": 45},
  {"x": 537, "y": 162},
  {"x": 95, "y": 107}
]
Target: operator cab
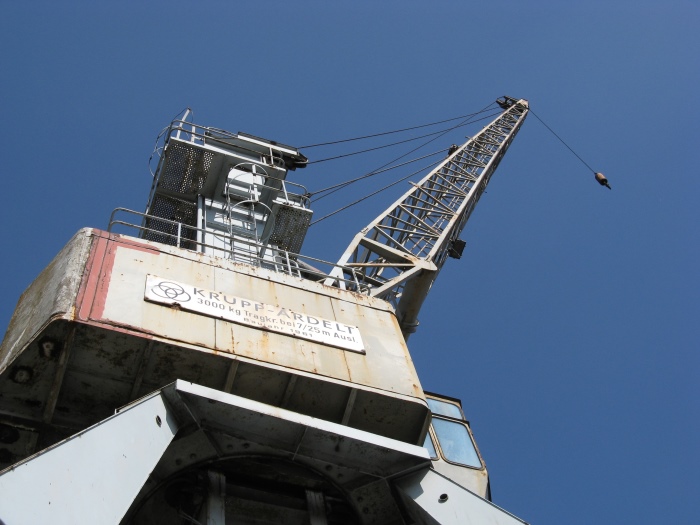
[{"x": 451, "y": 445}]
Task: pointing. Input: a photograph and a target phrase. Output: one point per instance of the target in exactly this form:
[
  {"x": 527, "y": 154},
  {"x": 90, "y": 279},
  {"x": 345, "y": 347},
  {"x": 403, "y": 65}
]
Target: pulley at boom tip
[{"x": 506, "y": 102}]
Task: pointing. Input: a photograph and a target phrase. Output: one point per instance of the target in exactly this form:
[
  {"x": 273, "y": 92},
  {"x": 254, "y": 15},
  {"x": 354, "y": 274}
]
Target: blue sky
[{"x": 569, "y": 327}]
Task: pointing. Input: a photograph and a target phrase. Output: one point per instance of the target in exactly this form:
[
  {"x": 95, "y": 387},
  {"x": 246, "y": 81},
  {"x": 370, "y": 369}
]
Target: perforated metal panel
[
  {"x": 192, "y": 167},
  {"x": 171, "y": 209},
  {"x": 291, "y": 225},
  {"x": 186, "y": 168}
]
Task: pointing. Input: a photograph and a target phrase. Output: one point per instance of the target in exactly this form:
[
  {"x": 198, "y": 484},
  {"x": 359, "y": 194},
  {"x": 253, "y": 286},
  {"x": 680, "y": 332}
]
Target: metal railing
[
  {"x": 270, "y": 182},
  {"x": 187, "y": 131},
  {"x": 241, "y": 250}
]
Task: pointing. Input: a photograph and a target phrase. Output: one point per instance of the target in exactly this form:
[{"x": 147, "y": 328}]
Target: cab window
[
  {"x": 455, "y": 442},
  {"x": 444, "y": 408},
  {"x": 431, "y": 448}
]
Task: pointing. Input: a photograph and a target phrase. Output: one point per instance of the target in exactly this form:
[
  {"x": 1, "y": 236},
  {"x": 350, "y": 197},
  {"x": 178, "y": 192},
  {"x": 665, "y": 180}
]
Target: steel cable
[
  {"x": 374, "y": 172},
  {"x": 395, "y": 131},
  {"x": 380, "y": 169},
  {"x": 562, "y": 141}
]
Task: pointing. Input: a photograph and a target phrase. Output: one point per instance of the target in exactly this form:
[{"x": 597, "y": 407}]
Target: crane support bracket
[
  {"x": 105, "y": 471},
  {"x": 432, "y": 499}
]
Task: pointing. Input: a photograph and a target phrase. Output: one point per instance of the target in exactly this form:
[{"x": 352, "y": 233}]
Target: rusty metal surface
[
  {"x": 52, "y": 293},
  {"x": 122, "y": 294},
  {"x": 83, "y": 341}
]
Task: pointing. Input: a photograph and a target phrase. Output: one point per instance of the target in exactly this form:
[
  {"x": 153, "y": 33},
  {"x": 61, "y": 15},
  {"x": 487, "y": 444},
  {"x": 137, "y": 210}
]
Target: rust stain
[
  {"x": 122, "y": 328},
  {"x": 92, "y": 294},
  {"x": 147, "y": 334},
  {"x": 89, "y": 280},
  {"x": 128, "y": 241},
  {"x": 104, "y": 278}
]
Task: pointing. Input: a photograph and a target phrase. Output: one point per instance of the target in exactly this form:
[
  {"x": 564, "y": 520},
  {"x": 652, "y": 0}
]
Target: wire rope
[
  {"x": 396, "y": 143},
  {"x": 378, "y": 170},
  {"x": 374, "y": 172},
  {"x": 370, "y": 174},
  {"x": 562, "y": 141},
  {"x": 375, "y": 192},
  {"x": 395, "y": 131}
]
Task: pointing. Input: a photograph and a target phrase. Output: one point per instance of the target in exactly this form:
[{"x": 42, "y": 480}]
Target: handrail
[
  {"x": 284, "y": 262},
  {"x": 178, "y": 127},
  {"x": 199, "y": 138},
  {"x": 301, "y": 198}
]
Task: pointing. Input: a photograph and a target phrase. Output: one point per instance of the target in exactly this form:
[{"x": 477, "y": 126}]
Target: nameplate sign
[{"x": 249, "y": 312}]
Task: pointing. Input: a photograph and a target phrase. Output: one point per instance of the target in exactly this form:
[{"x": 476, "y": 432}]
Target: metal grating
[
  {"x": 171, "y": 209},
  {"x": 291, "y": 225},
  {"x": 186, "y": 168}
]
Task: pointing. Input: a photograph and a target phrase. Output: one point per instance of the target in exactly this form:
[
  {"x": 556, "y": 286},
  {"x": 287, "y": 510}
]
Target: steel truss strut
[{"x": 401, "y": 252}]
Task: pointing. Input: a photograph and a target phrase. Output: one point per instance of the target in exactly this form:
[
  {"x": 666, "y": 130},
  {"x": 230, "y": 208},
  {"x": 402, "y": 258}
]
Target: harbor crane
[{"x": 188, "y": 365}]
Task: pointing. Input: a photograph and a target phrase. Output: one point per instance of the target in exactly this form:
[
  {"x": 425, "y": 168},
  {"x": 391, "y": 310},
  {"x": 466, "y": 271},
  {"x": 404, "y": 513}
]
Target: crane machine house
[{"x": 188, "y": 365}]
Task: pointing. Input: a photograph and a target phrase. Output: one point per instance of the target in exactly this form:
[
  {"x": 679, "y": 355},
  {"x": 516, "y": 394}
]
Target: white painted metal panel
[
  {"x": 432, "y": 499},
  {"x": 387, "y": 364},
  {"x": 298, "y": 433},
  {"x": 92, "y": 477}
]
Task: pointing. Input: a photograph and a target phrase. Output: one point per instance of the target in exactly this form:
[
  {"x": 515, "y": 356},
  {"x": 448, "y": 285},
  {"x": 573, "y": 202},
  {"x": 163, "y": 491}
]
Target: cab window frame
[
  {"x": 435, "y": 438},
  {"x": 429, "y": 438}
]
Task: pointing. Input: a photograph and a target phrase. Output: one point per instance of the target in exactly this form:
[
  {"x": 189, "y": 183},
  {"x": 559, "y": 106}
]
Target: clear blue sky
[{"x": 569, "y": 328}]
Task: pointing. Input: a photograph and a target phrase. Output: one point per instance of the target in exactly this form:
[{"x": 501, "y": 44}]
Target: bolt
[
  {"x": 22, "y": 374},
  {"x": 49, "y": 348}
]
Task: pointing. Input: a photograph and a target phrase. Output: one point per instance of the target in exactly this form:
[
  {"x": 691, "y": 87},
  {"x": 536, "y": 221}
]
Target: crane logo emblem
[{"x": 172, "y": 291}]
